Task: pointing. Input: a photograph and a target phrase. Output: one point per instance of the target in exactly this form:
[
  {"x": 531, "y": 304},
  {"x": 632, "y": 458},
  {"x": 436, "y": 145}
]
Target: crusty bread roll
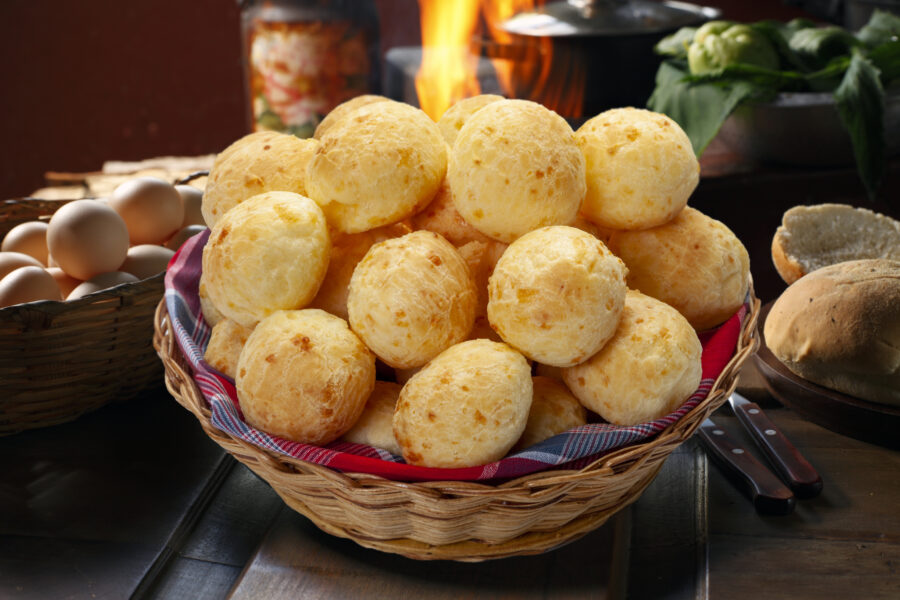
[
  {"x": 812, "y": 237},
  {"x": 210, "y": 314},
  {"x": 647, "y": 370},
  {"x": 693, "y": 262},
  {"x": 441, "y": 216},
  {"x": 381, "y": 164},
  {"x": 347, "y": 249},
  {"x": 375, "y": 425},
  {"x": 268, "y": 253},
  {"x": 481, "y": 258},
  {"x": 343, "y": 109},
  {"x": 225, "y": 344},
  {"x": 466, "y": 407},
  {"x": 556, "y": 295},
  {"x": 641, "y": 168},
  {"x": 456, "y": 116},
  {"x": 839, "y": 326},
  {"x": 515, "y": 167},
  {"x": 553, "y": 410},
  {"x": 411, "y": 298},
  {"x": 303, "y": 375},
  {"x": 264, "y": 161}
]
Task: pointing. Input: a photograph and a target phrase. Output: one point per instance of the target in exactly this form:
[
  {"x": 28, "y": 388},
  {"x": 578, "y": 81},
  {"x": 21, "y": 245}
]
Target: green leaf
[
  {"x": 676, "y": 44},
  {"x": 860, "y": 104},
  {"x": 700, "y": 109},
  {"x": 886, "y": 59},
  {"x": 882, "y": 27},
  {"x": 819, "y": 45}
]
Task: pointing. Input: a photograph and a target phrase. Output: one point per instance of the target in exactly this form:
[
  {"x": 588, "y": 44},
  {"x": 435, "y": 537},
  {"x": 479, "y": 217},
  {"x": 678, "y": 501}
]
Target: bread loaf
[
  {"x": 839, "y": 327},
  {"x": 812, "y": 237}
]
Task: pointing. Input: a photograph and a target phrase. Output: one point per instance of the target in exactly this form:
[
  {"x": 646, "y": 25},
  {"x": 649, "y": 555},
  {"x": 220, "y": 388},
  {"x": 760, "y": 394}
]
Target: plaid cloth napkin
[{"x": 572, "y": 449}]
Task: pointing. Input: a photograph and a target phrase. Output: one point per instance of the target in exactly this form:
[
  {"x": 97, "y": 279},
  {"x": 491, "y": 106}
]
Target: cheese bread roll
[
  {"x": 343, "y": 109},
  {"x": 553, "y": 410},
  {"x": 375, "y": 425},
  {"x": 265, "y": 161},
  {"x": 648, "y": 369},
  {"x": 641, "y": 168},
  {"x": 456, "y": 116},
  {"x": 515, "y": 167},
  {"x": 304, "y": 376},
  {"x": 441, "y": 216},
  {"x": 268, "y": 253},
  {"x": 556, "y": 295},
  {"x": 381, "y": 164},
  {"x": 693, "y": 263},
  {"x": 225, "y": 344},
  {"x": 411, "y": 298},
  {"x": 466, "y": 407}
]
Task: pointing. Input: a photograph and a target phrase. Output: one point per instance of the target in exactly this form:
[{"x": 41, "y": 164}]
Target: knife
[
  {"x": 793, "y": 468},
  {"x": 769, "y": 495}
]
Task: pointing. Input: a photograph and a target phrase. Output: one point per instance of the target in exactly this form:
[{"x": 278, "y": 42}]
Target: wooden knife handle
[
  {"x": 769, "y": 495},
  {"x": 796, "y": 471}
]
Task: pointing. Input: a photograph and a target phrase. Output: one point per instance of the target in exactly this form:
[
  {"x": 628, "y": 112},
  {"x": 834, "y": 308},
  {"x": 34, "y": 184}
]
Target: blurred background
[{"x": 96, "y": 80}]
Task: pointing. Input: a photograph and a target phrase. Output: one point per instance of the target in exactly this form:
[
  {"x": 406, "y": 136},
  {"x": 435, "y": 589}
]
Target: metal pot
[{"x": 607, "y": 43}]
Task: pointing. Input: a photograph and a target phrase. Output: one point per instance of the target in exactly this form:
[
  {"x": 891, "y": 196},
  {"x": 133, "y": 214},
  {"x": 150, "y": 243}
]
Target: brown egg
[
  {"x": 146, "y": 260},
  {"x": 151, "y": 208},
  {"x": 28, "y": 238},
  {"x": 10, "y": 261},
  {"x": 87, "y": 238},
  {"x": 28, "y": 284},
  {"x": 100, "y": 282},
  {"x": 182, "y": 236},
  {"x": 191, "y": 199},
  {"x": 66, "y": 282}
]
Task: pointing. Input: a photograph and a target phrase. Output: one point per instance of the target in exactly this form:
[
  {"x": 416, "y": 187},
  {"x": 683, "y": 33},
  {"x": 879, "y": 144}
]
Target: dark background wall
[{"x": 86, "y": 81}]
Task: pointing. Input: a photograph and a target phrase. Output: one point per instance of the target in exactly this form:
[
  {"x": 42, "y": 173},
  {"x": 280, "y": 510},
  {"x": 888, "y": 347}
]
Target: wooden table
[{"x": 134, "y": 501}]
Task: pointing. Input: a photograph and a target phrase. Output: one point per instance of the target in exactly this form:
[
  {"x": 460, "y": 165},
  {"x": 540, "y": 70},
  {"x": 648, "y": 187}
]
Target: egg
[
  {"x": 100, "y": 282},
  {"x": 182, "y": 236},
  {"x": 146, "y": 260},
  {"x": 28, "y": 284},
  {"x": 28, "y": 238},
  {"x": 66, "y": 282},
  {"x": 87, "y": 238},
  {"x": 10, "y": 261},
  {"x": 191, "y": 199},
  {"x": 151, "y": 208}
]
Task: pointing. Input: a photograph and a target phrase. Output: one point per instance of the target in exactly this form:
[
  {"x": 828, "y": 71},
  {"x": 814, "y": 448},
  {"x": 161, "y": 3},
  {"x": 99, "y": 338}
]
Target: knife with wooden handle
[
  {"x": 793, "y": 468},
  {"x": 769, "y": 495}
]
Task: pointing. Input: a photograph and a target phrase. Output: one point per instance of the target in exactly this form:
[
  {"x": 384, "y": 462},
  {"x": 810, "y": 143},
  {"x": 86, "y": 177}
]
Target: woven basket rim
[{"x": 186, "y": 392}]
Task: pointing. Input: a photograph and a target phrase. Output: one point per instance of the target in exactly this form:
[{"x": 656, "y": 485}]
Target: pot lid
[{"x": 572, "y": 18}]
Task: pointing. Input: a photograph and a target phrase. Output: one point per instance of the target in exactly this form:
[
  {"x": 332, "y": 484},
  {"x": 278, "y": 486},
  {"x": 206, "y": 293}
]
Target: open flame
[{"x": 456, "y": 33}]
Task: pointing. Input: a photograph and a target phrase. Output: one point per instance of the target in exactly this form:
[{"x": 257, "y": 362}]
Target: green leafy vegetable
[
  {"x": 818, "y": 45},
  {"x": 718, "y": 44},
  {"x": 882, "y": 27},
  {"x": 676, "y": 44},
  {"x": 860, "y": 104}
]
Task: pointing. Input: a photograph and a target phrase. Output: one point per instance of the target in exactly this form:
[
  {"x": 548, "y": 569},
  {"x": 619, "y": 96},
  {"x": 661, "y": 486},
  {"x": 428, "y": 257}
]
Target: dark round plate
[{"x": 859, "y": 419}]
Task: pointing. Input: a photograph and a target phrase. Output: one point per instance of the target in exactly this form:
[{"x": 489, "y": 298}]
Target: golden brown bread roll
[
  {"x": 411, "y": 298},
  {"x": 268, "y": 253},
  {"x": 225, "y": 344},
  {"x": 839, "y": 326},
  {"x": 553, "y": 410},
  {"x": 381, "y": 164},
  {"x": 648, "y": 369},
  {"x": 343, "y": 109},
  {"x": 456, "y": 116},
  {"x": 264, "y": 161},
  {"x": 515, "y": 167},
  {"x": 375, "y": 425},
  {"x": 640, "y": 168},
  {"x": 466, "y": 407},
  {"x": 693, "y": 262},
  {"x": 304, "y": 376},
  {"x": 556, "y": 295}
]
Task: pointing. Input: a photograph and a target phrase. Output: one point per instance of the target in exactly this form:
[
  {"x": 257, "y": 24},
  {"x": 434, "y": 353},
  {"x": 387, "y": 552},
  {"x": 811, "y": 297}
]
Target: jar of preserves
[{"x": 304, "y": 57}]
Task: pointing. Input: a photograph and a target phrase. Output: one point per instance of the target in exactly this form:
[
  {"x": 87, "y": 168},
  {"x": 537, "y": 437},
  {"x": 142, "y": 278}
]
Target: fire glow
[{"x": 456, "y": 33}]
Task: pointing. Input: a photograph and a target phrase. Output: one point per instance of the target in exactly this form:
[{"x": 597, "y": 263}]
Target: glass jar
[{"x": 304, "y": 57}]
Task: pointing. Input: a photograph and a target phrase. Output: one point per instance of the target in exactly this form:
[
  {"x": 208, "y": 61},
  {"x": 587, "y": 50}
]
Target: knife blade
[
  {"x": 768, "y": 493},
  {"x": 793, "y": 468}
]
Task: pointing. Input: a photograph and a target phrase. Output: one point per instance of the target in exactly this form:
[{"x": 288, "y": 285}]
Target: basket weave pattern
[
  {"x": 467, "y": 521},
  {"x": 59, "y": 360}
]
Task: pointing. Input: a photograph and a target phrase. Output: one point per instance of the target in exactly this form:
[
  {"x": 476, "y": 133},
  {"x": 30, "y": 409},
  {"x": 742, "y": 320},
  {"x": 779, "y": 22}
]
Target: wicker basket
[
  {"x": 465, "y": 521},
  {"x": 59, "y": 360}
]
